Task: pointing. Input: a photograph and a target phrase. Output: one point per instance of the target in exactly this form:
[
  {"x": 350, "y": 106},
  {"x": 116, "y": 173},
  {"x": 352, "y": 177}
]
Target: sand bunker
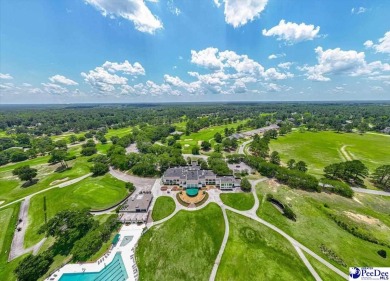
[{"x": 1, "y": 202}]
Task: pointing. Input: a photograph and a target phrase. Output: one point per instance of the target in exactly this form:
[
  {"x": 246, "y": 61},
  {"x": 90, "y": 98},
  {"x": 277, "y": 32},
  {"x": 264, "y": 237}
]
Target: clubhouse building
[{"x": 194, "y": 177}]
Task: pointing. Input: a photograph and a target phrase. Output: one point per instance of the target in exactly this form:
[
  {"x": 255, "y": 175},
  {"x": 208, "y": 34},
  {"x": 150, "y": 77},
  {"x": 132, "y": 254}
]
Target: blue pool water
[{"x": 115, "y": 271}]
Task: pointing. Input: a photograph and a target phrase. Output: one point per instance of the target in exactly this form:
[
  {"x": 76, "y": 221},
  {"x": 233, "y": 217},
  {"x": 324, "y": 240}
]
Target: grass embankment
[
  {"x": 12, "y": 188},
  {"x": 8, "y": 219},
  {"x": 315, "y": 228},
  {"x": 255, "y": 252},
  {"x": 323, "y": 148},
  {"x": 163, "y": 207},
  {"x": 238, "y": 201},
  {"x": 183, "y": 248},
  {"x": 94, "y": 193},
  {"x": 206, "y": 134}
]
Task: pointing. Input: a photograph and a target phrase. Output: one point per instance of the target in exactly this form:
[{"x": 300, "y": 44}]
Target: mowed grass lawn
[
  {"x": 314, "y": 227},
  {"x": 95, "y": 193},
  {"x": 206, "y": 134},
  {"x": 11, "y": 187},
  {"x": 255, "y": 252},
  {"x": 182, "y": 248},
  {"x": 240, "y": 201},
  {"x": 323, "y": 148},
  {"x": 163, "y": 207}
]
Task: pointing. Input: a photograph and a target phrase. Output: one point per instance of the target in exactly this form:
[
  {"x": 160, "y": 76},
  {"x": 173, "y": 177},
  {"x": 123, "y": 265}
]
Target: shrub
[{"x": 382, "y": 253}]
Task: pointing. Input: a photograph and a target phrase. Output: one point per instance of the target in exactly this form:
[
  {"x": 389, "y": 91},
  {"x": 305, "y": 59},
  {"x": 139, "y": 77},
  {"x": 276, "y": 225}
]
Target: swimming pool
[
  {"x": 192, "y": 192},
  {"x": 115, "y": 271}
]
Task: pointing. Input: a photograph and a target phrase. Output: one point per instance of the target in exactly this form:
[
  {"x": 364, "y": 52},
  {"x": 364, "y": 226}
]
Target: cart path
[
  {"x": 17, "y": 246},
  {"x": 223, "y": 245},
  {"x": 345, "y": 153}
]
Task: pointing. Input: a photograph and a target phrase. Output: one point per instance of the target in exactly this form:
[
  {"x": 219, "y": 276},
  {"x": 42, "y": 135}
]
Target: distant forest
[{"x": 56, "y": 119}]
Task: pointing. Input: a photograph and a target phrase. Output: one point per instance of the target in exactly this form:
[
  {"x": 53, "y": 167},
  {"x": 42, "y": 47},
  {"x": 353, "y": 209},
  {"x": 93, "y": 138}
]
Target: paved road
[
  {"x": 17, "y": 246},
  {"x": 241, "y": 148},
  {"x": 138, "y": 182},
  {"x": 370, "y": 191},
  {"x": 44, "y": 190}
]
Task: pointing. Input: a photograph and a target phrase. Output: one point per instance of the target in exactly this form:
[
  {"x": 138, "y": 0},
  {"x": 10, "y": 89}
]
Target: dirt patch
[
  {"x": 200, "y": 142},
  {"x": 58, "y": 181},
  {"x": 186, "y": 145},
  {"x": 1, "y": 202},
  {"x": 362, "y": 218},
  {"x": 188, "y": 140},
  {"x": 273, "y": 184}
]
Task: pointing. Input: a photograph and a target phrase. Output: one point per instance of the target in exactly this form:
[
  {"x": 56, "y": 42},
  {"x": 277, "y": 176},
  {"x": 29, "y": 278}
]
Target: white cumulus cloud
[
  {"x": 102, "y": 80},
  {"x": 240, "y": 12},
  {"x": 59, "y": 79},
  {"x": 383, "y": 45},
  {"x": 293, "y": 32},
  {"x": 135, "y": 11},
  {"x": 125, "y": 67},
  {"x": 5, "y": 76},
  {"x": 337, "y": 61}
]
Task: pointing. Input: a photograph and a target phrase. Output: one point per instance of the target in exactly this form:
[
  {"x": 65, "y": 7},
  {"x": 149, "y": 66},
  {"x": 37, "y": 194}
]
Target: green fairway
[
  {"x": 11, "y": 187},
  {"x": 163, "y": 207},
  {"x": 118, "y": 132},
  {"x": 182, "y": 248},
  {"x": 251, "y": 247},
  {"x": 103, "y": 148},
  {"x": 239, "y": 201},
  {"x": 323, "y": 148},
  {"x": 188, "y": 142},
  {"x": 94, "y": 193},
  {"x": 314, "y": 227}
]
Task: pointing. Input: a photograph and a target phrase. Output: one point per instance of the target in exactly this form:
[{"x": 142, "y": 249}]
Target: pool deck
[{"x": 127, "y": 253}]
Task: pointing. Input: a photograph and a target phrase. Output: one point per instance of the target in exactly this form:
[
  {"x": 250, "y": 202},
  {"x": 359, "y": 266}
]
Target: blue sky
[{"x": 184, "y": 50}]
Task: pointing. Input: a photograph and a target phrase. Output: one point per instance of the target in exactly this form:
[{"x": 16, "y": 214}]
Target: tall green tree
[
  {"x": 301, "y": 166},
  {"x": 218, "y": 137},
  {"x": 25, "y": 173},
  {"x": 381, "y": 176},
  {"x": 246, "y": 185}
]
